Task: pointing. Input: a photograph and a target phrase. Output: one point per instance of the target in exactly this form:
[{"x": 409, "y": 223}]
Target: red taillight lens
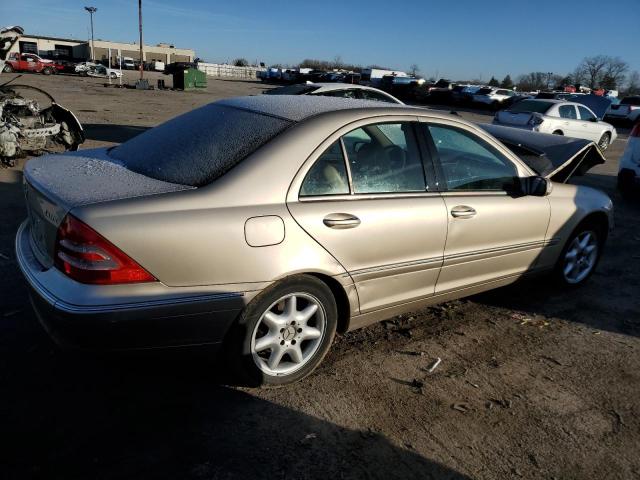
[
  {"x": 636, "y": 130},
  {"x": 86, "y": 256}
]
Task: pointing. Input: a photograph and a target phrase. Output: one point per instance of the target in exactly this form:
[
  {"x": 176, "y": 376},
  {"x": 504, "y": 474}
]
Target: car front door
[
  {"x": 589, "y": 123},
  {"x": 367, "y": 199},
  {"x": 494, "y": 231}
]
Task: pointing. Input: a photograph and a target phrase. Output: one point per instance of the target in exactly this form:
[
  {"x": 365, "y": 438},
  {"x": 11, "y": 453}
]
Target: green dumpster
[{"x": 189, "y": 79}]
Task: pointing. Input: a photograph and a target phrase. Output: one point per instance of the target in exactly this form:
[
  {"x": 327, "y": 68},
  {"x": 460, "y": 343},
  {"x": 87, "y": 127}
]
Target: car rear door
[
  {"x": 366, "y": 197},
  {"x": 570, "y": 125},
  {"x": 494, "y": 231}
]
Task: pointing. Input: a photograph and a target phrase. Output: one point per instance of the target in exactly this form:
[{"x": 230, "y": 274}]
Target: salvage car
[
  {"x": 28, "y": 62},
  {"x": 103, "y": 72},
  {"x": 493, "y": 97},
  {"x": 341, "y": 90},
  {"x": 284, "y": 219},
  {"x": 629, "y": 169},
  {"x": 558, "y": 117},
  {"x": 628, "y": 109}
]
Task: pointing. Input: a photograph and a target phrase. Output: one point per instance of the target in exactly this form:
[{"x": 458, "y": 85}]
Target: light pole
[
  {"x": 140, "y": 26},
  {"x": 91, "y": 11}
]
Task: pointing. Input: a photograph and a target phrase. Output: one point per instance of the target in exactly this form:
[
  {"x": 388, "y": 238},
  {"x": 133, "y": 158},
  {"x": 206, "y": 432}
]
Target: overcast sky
[{"x": 457, "y": 39}]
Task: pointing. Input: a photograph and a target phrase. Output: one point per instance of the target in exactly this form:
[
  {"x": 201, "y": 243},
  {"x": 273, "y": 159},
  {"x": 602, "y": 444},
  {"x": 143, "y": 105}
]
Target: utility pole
[
  {"x": 91, "y": 11},
  {"x": 140, "y": 26}
]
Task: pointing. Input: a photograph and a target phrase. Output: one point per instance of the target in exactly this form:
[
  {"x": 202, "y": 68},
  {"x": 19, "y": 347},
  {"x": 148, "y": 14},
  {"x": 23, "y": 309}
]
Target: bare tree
[
  {"x": 532, "y": 81},
  {"x": 337, "y": 62},
  {"x": 633, "y": 83},
  {"x": 414, "y": 69},
  {"x": 600, "y": 69},
  {"x": 615, "y": 70}
]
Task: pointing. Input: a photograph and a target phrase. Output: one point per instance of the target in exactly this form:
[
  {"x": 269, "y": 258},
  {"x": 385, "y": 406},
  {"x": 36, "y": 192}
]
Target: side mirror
[
  {"x": 594, "y": 119},
  {"x": 537, "y": 186}
]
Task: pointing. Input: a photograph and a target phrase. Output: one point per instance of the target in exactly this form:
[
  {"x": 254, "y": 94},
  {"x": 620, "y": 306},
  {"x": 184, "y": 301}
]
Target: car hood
[
  {"x": 551, "y": 156},
  {"x": 597, "y": 103}
]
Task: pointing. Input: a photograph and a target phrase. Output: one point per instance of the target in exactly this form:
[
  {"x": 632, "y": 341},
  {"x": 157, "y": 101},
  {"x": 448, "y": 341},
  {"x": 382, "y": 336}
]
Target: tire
[
  {"x": 7, "y": 68},
  {"x": 113, "y": 76},
  {"x": 558, "y": 132},
  {"x": 47, "y": 71},
  {"x": 604, "y": 141},
  {"x": 284, "y": 356},
  {"x": 587, "y": 241}
]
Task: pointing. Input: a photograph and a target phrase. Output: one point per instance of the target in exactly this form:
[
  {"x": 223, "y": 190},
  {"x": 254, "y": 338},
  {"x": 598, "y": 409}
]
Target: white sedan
[
  {"x": 341, "y": 90},
  {"x": 558, "y": 117},
  {"x": 494, "y": 97}
]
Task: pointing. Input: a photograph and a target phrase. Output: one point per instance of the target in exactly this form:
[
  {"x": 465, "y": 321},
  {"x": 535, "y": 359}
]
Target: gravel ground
[{"x": 534, "y": 382}]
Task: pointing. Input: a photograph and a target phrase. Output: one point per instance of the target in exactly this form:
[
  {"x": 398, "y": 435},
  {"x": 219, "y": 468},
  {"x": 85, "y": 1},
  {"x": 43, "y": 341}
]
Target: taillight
[
  {"x": 636, "y": 130},
  {"x": 87, "y": 257}
]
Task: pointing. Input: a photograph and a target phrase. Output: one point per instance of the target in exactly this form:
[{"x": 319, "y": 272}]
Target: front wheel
[
  {"x": 8, "y": 68},
  {"x": 580, "y": 255},
  {"x": 47, "y": 71},
  {"x": 605, "y": 140},
  {"x": 285, "y": 332}
]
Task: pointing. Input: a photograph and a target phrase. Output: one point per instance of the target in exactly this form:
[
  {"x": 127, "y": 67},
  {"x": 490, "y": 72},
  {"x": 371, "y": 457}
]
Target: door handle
[
  {"x": 463, "y": 211},
  {"x": 341, "y": 221}
]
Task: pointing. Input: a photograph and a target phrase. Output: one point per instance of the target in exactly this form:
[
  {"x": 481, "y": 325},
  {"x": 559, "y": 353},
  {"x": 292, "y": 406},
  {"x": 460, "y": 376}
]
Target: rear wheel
[
  {"x": 581, "y": 254},
  {"x": 8, "y": 68},
  {"x": 47, "y": 71},
  {"x": 605, "y": 140},
  {"x": 113, "y": 75},
  {"x": 285, "y": 332},
  {"x": 558, "y": 132}
]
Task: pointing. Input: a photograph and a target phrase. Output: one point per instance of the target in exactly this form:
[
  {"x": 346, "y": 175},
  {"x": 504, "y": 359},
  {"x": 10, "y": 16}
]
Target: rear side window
[
  {"x": 375, "y": 96},
  {"x": 200, "y": 146},
  {"x": 328, "y": 176},
  {"x": 567, "y": 111},
  {"x": 469, "y": 163},
  {"x": 338, "y": 93},
  {"x": 384, "y": 158}
]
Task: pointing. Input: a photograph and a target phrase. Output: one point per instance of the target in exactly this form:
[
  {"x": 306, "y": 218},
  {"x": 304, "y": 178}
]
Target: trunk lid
[
  {"x": 551, "y": 156},
  {"x": 55, "y": 184}
]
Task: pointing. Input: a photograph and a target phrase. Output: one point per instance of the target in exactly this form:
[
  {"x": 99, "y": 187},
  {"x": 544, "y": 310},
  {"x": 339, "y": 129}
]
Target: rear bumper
[{"x": 153, "y": 323}]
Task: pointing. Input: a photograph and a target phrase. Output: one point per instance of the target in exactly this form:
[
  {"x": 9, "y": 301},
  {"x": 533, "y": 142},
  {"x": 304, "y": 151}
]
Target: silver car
[{"x": 268, "y": 223}]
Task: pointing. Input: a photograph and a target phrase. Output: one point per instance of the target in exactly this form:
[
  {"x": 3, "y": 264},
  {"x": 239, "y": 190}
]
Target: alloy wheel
[
  {"x": 288, "y": 334},
  {"x": 604, "y": 142},
  {"x": 581, "y": 257}
]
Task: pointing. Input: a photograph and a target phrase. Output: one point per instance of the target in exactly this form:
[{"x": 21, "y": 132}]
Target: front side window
[
  {"x": 586, "y": 114},
  {"x": 469, "y": 163},
  {"x": 384, "y": 158},
  {"x": 328, "y": 176},
  {"x": 568, "y": 111}
]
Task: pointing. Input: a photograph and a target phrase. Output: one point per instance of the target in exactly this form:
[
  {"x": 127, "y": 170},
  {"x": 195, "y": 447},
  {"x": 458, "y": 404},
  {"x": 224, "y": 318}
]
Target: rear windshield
[
  {"x": 528, "y": 106},
  {"x": 200, "y": 146},
  {"x": 630, "y": 101},
  {"x": 484, "y": 91},
  {"x": 292, "y": 90}
]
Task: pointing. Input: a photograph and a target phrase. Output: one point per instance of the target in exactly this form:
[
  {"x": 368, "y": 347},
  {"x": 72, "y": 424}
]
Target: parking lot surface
[{"x": 534, "y": 382}]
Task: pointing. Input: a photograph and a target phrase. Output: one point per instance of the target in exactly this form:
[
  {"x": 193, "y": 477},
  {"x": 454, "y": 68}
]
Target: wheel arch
[
  {"x": 599, "y": 219},
  {"x": 342, "y": 299}
]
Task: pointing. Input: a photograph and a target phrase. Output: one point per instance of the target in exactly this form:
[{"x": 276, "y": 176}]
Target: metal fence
[{"x": 230, "y": 71}]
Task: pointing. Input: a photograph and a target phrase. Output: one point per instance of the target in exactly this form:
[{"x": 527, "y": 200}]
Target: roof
[
  {"x": 339, "y": 86},
  {"x": 296, "y": 108}
]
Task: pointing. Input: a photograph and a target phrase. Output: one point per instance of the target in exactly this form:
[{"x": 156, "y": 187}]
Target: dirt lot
[{"x": 534, "y": 382}]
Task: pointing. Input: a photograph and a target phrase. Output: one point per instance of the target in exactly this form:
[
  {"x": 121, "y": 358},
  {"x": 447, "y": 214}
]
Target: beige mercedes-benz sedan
[{"x": 268, "y": 223}]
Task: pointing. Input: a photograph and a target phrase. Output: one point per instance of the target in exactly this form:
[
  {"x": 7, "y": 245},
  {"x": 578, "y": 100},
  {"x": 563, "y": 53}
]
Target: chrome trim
[
  {"x": 397, "y": 268},
  {"x": 367, "y": 196},
  {"x": 66, "y": 307}
]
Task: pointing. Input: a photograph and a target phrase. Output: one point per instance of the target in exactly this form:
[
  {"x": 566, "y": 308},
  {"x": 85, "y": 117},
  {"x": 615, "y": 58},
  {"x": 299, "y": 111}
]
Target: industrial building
[{"x": 80, "y": 50}]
